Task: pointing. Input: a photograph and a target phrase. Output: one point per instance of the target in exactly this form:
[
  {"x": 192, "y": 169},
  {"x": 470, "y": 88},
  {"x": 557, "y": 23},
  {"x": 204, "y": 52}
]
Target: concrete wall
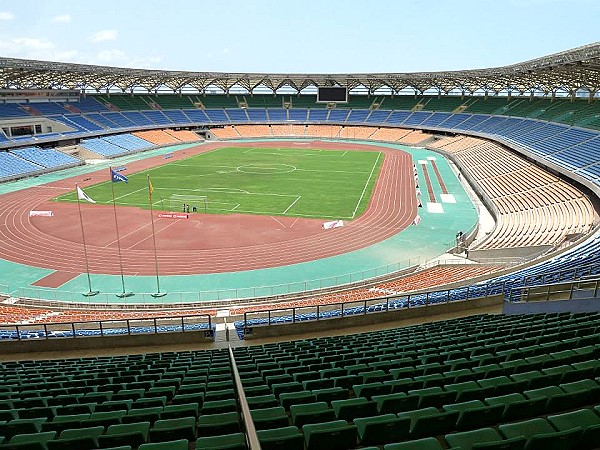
[{"x": 263, "y": 331}]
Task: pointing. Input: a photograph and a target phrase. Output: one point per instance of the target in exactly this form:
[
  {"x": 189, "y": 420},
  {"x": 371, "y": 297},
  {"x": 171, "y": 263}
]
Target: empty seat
[
  {"x": 541, "y": 435},
  {"x": 419, "y": 444},
  {"x": 234, "y": 441},
  {"x": 179, "y": 444},
  {"x": 174, "y": 429},
  {"x": 334, "y": 435},
  {"x": 217, "y": 424},
  {"x": 584, "y": 419},
  {"x": 311, "y": 413},
  {"x": 289, "y": 438},
  {"x": 485, "y": 437},
  {"x": 352, "y": 408},
  {"x": 382, "y": 429}
]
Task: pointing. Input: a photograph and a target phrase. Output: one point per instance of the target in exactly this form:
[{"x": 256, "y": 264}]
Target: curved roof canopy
[{"x": 565, "y": 73}]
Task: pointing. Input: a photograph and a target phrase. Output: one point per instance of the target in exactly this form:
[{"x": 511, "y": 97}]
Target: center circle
[{"x": 266, "y": 169}]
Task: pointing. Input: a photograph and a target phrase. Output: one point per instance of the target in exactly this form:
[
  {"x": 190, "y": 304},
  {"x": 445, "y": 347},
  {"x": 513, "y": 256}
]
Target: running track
[{"x": 203, "y": 243}]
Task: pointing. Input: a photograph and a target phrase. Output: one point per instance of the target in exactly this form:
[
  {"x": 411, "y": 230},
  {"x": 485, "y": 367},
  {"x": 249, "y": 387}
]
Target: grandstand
[{"x": 531, "y": 160}]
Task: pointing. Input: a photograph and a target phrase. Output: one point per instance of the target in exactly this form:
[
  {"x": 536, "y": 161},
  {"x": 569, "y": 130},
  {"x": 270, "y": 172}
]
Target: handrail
[
  {"x": 408, "y": 301},
  {"x": 250, "y": 429},
  {"x": 544, "y": 291},
  {"x": 104, "y": 326}
]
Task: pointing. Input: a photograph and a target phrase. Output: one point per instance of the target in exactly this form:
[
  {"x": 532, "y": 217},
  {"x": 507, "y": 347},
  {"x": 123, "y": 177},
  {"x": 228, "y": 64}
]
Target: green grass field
[{"x": 297, "y": 182}]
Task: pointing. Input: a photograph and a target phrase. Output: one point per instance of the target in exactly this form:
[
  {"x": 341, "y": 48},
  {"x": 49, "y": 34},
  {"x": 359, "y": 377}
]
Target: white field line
[
  {"x": 222, "y": 190},
  {"x": 134, "y": 192},
  {"x": 293, "y": 203},
  {"x": 331, "y": 171},
  {"x": 235, "y": 207},
  {"x": 366, "y": 184}
]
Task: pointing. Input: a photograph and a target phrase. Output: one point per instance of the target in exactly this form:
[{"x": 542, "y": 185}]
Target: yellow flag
[{"x": 150, "y": 189}]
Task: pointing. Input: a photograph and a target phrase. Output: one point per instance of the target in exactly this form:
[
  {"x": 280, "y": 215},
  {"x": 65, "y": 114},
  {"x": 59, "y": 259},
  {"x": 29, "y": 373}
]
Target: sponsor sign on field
[
  {"x": 41, "y": 214},
  {"x": 173, "y": 216}
]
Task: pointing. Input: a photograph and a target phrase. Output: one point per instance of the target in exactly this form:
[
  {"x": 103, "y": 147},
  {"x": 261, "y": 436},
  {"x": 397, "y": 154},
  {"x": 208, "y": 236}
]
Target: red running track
[{"x": 205, "y": 243}]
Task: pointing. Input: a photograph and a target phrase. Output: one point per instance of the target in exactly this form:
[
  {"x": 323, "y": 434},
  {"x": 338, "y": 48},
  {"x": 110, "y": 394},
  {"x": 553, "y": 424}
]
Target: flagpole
[
  {"x": 158, "y": 293},
  {"x": 90, "y": 292},
  {"x": 124, "y": 293}
]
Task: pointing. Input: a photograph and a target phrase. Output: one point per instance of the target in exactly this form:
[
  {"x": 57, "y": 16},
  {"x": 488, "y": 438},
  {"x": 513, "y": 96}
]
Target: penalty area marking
[{"x": 293, "y": 203}]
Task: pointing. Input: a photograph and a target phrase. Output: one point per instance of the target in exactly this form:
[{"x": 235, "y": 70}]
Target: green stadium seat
[
  {"x": 104, "y": 418},
  {"x": 419, "y": 444},
  {"x": 541, "y": 435},
  {"x": 21, "y": 426},
  {"x": 128, "y": 394},
  {"x": 395, "y": 403},
  {"x": 76, "y": 408},
  {"x": 260, "y": 389},
  {"x": 475, "y": 414},
  {"x": 583, "y": 418},
  {"x": 433, "y": 396},
  {"x": 174, "y": 429},
  {"x": 334, "y": 435},
  {"x": 330, "y": 394},
  {"x": 88, "y": 433},
  {"x": 133, "y": 434},
  {"x": 31, "y": 440},
  {"x": 487, "y": 438},
  {"x": 7, "y": 415},
  {"x": 143, "y": 415},
  {"x": 502, "y": 385},
  {"x": 73, "y": 443},
  {"x": 311, "y": 413},
  {"x": 368, "y": 390},
  {"x": 234, "y": 441},
  {"x": 558, "y": 400},
  {"x": 219, "y": 406},
  {"x": 346, "y": 381},
  {"x": 179, "y": 444},
  {"x": 288, "y": 399},
  {"x": 350, "y": 409},
  {"x": 266, "y": 418},
  {"x": 517, "y": 407},
  {"x": 262, "y": 401},
  {"x": 47, "y": 412},
  {"x": 180, "y": 410},
  {"x": 114, "y": 405},
  {"x": 289, "y": 438},
  {"x": 378, "y": 430},
  {"x": 217, "y": 424},
  {"x": 291, "y": 386}
]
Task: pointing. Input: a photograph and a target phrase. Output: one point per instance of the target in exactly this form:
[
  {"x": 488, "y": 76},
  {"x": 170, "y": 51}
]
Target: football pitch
[{"x": 295, "y": 182}]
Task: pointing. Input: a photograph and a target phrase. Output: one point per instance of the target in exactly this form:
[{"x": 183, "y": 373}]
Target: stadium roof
[{"x": 566, "y": 73}]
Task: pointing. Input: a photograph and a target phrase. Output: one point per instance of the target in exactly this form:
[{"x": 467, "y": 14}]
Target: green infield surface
[{"x": 297, "y": 182}]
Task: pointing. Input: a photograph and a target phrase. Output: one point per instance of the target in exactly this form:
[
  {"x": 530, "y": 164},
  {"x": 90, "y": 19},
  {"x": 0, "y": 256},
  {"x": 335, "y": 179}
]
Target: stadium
[{"x": 320, "y": 261}]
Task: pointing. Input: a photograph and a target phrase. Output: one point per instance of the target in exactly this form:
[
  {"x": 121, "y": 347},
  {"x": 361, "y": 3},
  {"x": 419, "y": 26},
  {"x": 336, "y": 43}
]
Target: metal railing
[
  {"x": 295, "y": 314},
  {"x": 109, "y": 327},
  {"x": 567, "y": 290}
]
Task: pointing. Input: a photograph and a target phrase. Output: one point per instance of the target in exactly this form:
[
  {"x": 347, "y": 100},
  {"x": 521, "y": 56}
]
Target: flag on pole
[
  {"x": 83, "y": 196},
  {"x": 116, "y": 177},
  {"x": 150, "y": 189}
]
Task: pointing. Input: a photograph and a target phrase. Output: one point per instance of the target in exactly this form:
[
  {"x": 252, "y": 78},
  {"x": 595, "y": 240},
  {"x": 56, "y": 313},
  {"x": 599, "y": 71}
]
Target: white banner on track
[
  {"x": 41, "y": 214},
  {"x": 333, "y": 224}
]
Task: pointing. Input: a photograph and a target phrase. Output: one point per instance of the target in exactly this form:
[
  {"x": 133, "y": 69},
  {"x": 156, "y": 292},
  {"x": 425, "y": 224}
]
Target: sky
[{"x": 306, "y": 36}]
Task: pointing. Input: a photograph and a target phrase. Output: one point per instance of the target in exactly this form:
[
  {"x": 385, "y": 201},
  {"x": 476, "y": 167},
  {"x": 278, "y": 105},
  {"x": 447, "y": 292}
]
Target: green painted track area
[{"x": 272, "y": 181}]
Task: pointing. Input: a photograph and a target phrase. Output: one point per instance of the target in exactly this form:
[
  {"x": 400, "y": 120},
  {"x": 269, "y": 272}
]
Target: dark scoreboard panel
[{"x": 332, "y": 94}]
